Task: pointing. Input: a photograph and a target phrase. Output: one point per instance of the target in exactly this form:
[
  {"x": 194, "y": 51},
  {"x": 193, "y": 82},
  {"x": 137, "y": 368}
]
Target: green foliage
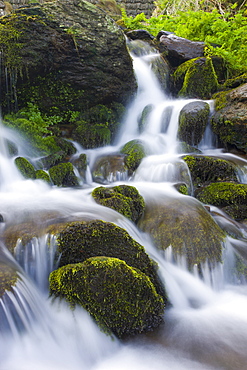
[{"x": 229, "y": 32}]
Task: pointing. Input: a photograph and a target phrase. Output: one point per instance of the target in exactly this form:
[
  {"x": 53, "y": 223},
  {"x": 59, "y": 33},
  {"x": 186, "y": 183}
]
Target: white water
[{"x": 206, "y": 326}]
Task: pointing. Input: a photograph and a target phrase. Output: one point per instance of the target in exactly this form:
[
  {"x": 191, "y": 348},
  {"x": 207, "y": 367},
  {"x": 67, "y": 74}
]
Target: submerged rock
[
  {"x": 121, "y": 298},
  {"x": 172, "y": 223},
  {"x": 193, "y": 119},
  {"x": 110, "y": 168},
  {"x": 123, "y": 198},
  {"x": 78, "y": 241}
]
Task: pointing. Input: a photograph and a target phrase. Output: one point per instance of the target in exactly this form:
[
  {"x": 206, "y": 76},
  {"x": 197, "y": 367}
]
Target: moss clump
[
  {"x": 196, "y": 78},
  {"x": 25, "y": 167},
  {"x": 92, "y": 135},
  {"x": 121, "y": 298},
  {"x": 124, "y": 199},
  {"x": 223, "y": 194},
  {"x": 78, "y": 241},
  {"x": 205, "y": 169},
  {"x": 172, "y": 223},
  {"x": 8, "y": 278},
  {"x": 135, "y": 152},
  {"x": 63, "y": 175},
  {"x": 42, "y": 175}
]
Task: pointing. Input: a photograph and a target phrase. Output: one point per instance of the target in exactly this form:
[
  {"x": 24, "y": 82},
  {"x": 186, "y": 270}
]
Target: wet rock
[
  {"x": 204, "y": 169},
  {"x": 80, "y": 164},
  {"x": 78, "y": 241},
  {"x": 121, "y": 298},
  {"x": 193, "y": 119},
  {"x": 25, "y": 167},
  {"x": 109, "y": 169},
  {"x": 172, "y": 223},
  {"x": 134, "y": 152},
  {"x": 123, "y": 199},
  {"x": 63, "y": 175},
  {"x": 229, "y": 122},
  {"x": 178, "y": 50},
  {"x": 139, "y": 35},
  {"x": 196, "y": 78},
  {"x": 8, "y": 278}
]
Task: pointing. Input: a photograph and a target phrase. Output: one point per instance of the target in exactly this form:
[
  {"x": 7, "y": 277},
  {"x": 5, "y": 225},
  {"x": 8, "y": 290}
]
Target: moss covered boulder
[
  {"x": 121, "y": 298},
  {"x": 196, "y": 78},
  {"x": 8, "y": 278},
  {"x": 134, "y": 152},
  {"x": 204, "y": 169},
  {"x": 123, "y": 199},
  {"x": 229, "y": 122},
  {"x": 63, "y": 175},
  {"x": 172, "y": 223},
  {"x": 69, "y": 54},
  {"x": 25, "y": 167},
  {"x": 78, "y": 241},
  {"x": 193, "y": 119}
]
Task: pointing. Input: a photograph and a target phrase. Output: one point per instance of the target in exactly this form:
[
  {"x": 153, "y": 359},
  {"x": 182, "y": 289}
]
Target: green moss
[
  {"x": 8, "y": 278},
  {"x": 42, "y": 175},
  {"x": 123, "y": 199},
  {"x": 78, "y": 241},
  {"x": 196, "y": 78},
  {"x": 222, "y": 194},
  {"x": 121, "y": 298},
  {"x": 25, "y": 167},
  {"x": 220, "y": 99},
  {"x": 63, "y": 175},
  {"x": 135, "y": 152},
  {"x": 204, "y": 169},
  {"x": 92, "y": 135}
]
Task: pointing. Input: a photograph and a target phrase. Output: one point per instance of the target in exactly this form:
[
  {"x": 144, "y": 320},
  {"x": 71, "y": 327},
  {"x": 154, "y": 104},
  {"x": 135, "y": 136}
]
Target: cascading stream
[{"x": 206, "y": 325}]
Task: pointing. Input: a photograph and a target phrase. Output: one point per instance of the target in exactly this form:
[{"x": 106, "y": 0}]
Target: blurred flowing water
[{"x": 206, "y": 324}]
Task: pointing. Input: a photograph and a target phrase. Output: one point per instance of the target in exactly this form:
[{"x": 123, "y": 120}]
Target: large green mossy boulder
[
  {"x": 193, "y": 119},
  {"x": 134, "y": 152},
  {"x": 185, "y": 225},
  {"x": 78, "y": 241},
  {"x": 123, "y": 199},
  {"x": 222, "y": 194},
  {"x": 121, "y": 298},
  {"x": 204, "y": 169},
  {"x": 8, "y": 278},
  {"x": 25, "y": 167},
  {"x": 63, "y": 175},
  {"x": 196, "y": 78},
  {"x": 229, "y": 122}
]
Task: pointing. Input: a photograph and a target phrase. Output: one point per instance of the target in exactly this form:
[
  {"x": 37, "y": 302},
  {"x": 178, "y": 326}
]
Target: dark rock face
[
  {"x": 179, "y": 50},
  {"x": 74, "y": 55},
  {"x": 230, "y": 119}
]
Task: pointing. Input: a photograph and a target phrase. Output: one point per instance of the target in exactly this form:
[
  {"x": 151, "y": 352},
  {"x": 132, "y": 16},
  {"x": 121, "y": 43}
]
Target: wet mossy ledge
[
  {"x": 8, "y": 278},
  {"x": 120, "y": 298},
  {"x": 123, "y": 199}
]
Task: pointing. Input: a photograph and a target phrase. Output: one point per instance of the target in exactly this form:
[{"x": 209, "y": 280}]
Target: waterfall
[{"x": 206, "y": 323}]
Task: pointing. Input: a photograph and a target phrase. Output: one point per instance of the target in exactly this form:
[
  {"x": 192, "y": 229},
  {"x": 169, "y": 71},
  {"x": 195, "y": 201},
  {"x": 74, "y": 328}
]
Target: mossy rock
[
  {"x": 63, "y": 175},
  {"x": 80, "y": 164},
  {"x": 78, "y": 241},
  {"x": 232, "y": 83},
  {"x": 135, "y": 152},
  {"x": 42, "y": 175},
  {"x": 53, "y": 159},
  {"x": 8, "y": 278},
  {"x": 121, "y": 298},
  {"x": 193, "y": 120},
  {"x": 229, "y": 122},
  {"x": 92, "y": 136},
  {"x": 25, "y": 167},
  {"x": 196, "y": 78},
  {"x": 123, "y": 199},
  {"x": 236, "y": 211},
  {"x": 110, "y": 168},
  {"x": 222, "y": 194},
  {"x": 172, "y": 223},
  {"x": 204, "y": 169}
]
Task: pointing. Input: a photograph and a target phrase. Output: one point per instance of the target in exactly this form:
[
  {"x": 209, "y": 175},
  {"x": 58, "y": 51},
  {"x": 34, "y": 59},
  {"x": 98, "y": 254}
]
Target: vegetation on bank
[{"x": 224, "y": 34}]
